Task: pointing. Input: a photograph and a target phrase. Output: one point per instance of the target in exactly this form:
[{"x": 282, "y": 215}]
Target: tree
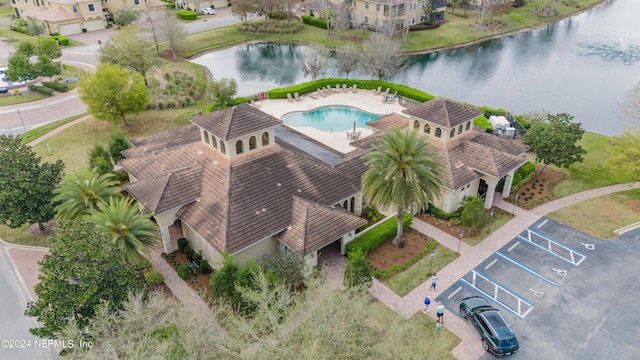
[
  {"x": 20, "y": 68},
  {"x": 223, "y": 91},
  {"x": 130, "y": 49},
  {"x": 629, "y": 110},
  {"x": 46, "y": 67},
  {"x": 49, "y": 47},
  {"x": 172, "y": 31},
  {"x": 473, "y": 215},
  {"x": 35, "y": 29},
  {"x": 315, "y": 60},
  {"x": 347, "y": 57},
  {"x": 111, "y": 93},
  {"x": 100, "y": 160},
  {"x": 117, "y": 144},
  {"x": 82, "y": 192},
  {"x": 80, "y": 273},
  {"x": 384, "y": 57},
  {"x": 625, "y": 156},
  {"x": 27, "y": 47},
  {"x": 357, "y": 273},
  {"x": 242, "y": 9},
  {"x": 555, "y": 141},
  {"x": 327, "y": 14},
  {"x": 341, "y": 16},
  {"x": 130, "y": 232},
  {"x": 125, "y": 17},
  {"x": 402, "y": 172},
  {"x": 26, "y": 184}
]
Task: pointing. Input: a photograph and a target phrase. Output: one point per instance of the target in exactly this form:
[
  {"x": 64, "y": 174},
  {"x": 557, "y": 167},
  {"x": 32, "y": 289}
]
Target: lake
[{"x": 540, "y": 69}]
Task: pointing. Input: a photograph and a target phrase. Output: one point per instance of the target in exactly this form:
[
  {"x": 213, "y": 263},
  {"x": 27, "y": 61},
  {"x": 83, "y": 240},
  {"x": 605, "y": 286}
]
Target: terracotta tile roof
[
  {"x": 367, "y": 142},
  {"x": 443, "y": 112},
  {"x": 389, "y": 122},
  {"x": 236, "y": 121},
  {"x": 56, "y": 14},
  {"x": 160, "y": 142},
  {"x": 169, "y": 190},
  {"x": 314, "y": 225},
  {"x": 245, "y": 199}
]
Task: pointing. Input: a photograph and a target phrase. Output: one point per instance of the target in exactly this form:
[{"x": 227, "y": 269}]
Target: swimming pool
[{"x": 330, "y": 118}]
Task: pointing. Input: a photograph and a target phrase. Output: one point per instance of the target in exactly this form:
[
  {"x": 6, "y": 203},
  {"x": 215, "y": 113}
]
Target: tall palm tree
[
  {"x": 127, "y": 228},
  {"x": 82, "y": 192},
  {"x": 402, "y": 173}
]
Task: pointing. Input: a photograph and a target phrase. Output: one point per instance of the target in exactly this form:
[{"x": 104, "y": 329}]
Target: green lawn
[
  {"x": 41, "y": 130},
  {"x": 404, "y": 282},
  {"x": 500, "y": 217},
  {"x": 10, "y": 99},
  {"x": 603, "y": 215},
  {"x": 17, "y": 236},
  {"x": 593, "y": 172}
]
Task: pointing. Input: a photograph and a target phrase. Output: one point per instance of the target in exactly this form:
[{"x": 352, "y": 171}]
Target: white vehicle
[{"x": 209, "y": 11}]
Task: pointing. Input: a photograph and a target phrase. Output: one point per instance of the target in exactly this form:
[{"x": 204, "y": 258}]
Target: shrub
[
  {"x": 473, "y": 215},
  {"x": 187, "y": 15},
  {"x": 482, "y": 122},
  {"x": 41, "y": 89},
  {"x": 184, "y": 271},
  {"x": 313, "y": 21},
  {"x": 437, "y": 213},
  {"x": 396, "y": 269},
  {"x": 277, "y": 15},
  {"x": 288, "y": 266},
  {"x": 171, "y": 6},
  {"x": 204, "y": 266},
  {"x": 62, "y": 40},
  {"x": 183, "y": 243},
  {"x": 20, "y": 29},
  {"x": 117, "y": 144},
  {"x": 189, "y": 253},
  {"x": 152, "y": 277},
  {"x": 357, "y": 273},
  {"x": 239, "y": 100},
  {"x": 223, "y": 281},
  {"x": 61, "y": 87},
  {"x": 377, "y": 235}
]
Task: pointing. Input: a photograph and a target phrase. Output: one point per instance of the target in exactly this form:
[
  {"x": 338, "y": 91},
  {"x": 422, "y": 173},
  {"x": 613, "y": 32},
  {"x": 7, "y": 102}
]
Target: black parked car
[{"x": 497, "y": 337}]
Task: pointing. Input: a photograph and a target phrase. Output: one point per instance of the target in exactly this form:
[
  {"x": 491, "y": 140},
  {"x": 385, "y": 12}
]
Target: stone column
[
  {"x": 166, "y": 239},
  {"x": 358, "y": 204},
  {"x": 508, "y": 181},
  {"x": 491, "y": 190}
]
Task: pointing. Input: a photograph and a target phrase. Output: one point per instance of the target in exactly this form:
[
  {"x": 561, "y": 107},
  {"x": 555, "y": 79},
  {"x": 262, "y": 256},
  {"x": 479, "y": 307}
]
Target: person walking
[
  {"x": 434, "y": 279},
  {"x": 427, "y": 301},
  {"x": 440, "y": 313}
]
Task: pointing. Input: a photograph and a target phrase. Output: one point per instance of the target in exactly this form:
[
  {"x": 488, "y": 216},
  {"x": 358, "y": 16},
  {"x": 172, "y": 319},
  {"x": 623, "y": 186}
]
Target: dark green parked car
[{"x": 497, "y": 337}]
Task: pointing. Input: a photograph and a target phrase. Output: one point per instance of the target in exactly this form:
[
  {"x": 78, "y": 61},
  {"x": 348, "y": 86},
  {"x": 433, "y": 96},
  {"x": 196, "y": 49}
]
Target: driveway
[{"x": 566, "y": 294}]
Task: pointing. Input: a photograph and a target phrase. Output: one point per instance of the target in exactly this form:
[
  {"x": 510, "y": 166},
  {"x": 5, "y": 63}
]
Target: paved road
[
  {"x": 15, "y": 326},
  {"x": 16, "y": 119}
]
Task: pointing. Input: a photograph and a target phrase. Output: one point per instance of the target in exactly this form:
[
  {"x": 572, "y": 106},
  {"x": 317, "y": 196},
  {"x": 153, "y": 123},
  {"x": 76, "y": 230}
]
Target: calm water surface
[{"x": 537, "y": 70}]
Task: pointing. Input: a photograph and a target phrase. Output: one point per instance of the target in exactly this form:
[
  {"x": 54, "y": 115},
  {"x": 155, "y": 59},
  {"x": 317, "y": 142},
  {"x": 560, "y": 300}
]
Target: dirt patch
[
  {"x": 537, "y": 191},
  {"x": 34, "y": 229},
  {"x": 386, "y": 255},
  {"x": 633, "y": 204},
  {"x": 451, "y": 228},
  {"x": 199, "y": 283}
]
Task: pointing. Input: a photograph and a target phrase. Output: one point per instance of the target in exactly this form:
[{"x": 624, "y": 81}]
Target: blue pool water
[{"x": 330, "y": 118}]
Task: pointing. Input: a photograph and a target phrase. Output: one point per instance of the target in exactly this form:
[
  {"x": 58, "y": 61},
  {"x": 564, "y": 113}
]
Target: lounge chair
[
  {"x": 354, "y": 88},
  {"x": 376, "y": 92},
  {"x": 297, "y": 97},
  {"x": 344, "y": 88},
  {"x": 328, "y": 90},
  {"x": 386, "y": 92},
  {"x": 314, "y": 94},
  {"x": 337, "y": 88},
  {"x": 289, "y": 97},
  {"x": 322, "y": 92}
]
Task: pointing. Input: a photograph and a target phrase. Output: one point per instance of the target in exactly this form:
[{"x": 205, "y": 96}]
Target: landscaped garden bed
[
  {"x": 538, "y": 190},
  {"x": 192, "y": 268}
]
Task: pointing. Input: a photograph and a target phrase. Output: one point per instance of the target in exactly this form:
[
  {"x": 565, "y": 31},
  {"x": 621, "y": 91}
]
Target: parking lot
[{"x": 566, "y": 294}]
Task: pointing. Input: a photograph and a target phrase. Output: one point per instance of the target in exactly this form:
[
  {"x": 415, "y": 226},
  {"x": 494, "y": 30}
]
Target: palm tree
[
  {"x": 82, "y": 192},
  {"x": 129, "y": 231},
  {"x": 402, "y": 173}
]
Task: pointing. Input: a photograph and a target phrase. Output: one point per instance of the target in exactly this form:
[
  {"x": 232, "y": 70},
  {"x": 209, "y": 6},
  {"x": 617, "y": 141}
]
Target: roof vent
[
  {"x": 258, "y": 212},
  {"x": 264, "y": 210},
  {"x": 278, "y": 184},
  {"x": 199, "y": 152},
  {"x": 299, "y": 190}
]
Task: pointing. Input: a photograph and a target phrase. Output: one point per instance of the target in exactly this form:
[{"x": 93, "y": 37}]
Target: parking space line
[
  {"x": 542, "y": 224},
  {"x": 521, "y": 301},
  {"x": 525, "y": 268},
  {"x": 454, "y": 293},
  {"x": 491, "y": 264},
  {"x": 513, "y": 246},
  {"x": 571, "y": 261}
]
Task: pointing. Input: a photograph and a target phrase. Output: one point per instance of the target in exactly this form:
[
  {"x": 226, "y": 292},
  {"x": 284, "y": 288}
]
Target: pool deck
[{"x": 364, "y": 100}]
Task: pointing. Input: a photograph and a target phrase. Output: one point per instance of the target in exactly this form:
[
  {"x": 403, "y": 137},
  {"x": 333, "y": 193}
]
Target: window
[
  {"x": 459, "y": 129},
  {"x": 206, "y": 136},
  {"x": 74, "y": 8},
  {"x": 91, "y": 7},
  {"x": 416, "y": 124},
  {"x": 222, "y": 149},
  {"x": 239, "y": 147},
  {"x": 377, "y": 22},
  {"x": 377, "y": 7},
  {"x": 385, "y": 10},
  {"x": 452, "y": 133},
  {"x": 345, "y": 204},
  {"x": 366, "y": 5},
  {"x": 468, "y": 126},
  {"x": 366, "y": 19},
  {"x": 136, "y": 2},
  {"x": 427, "y": 129},
  {"x": 401, "y": 10},
  {"x": 353, "y": 204},
  {"x": 252, "y": 143},
  {"x": 438, "y": 132},
  {"x": 265, "y": 138},
  {"x": 214, "y": 142}
]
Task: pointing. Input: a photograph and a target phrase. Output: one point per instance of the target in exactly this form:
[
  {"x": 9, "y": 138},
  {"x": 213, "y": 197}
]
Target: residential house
[
  {"x": 227, "y": 184},
  {"x": 196, "y": 5},
  {"x": 68, "y": 17},
  {"x": 376, "y": 14}
]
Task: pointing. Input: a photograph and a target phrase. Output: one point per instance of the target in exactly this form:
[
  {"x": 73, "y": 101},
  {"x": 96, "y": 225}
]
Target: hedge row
[
  {"x": 187, "y": 15},
  {"x": 20, "y": 29},
  {"x": 62, "y": 40},
  {"x": 57, "y": 86},
  {"x": 313, "y": 21},
  {"x": 404, "y": 91},
  {"x": 41, "y": 89},
  {"x": 377, "y": 235},
  {"x": 444, "y": 215},
  {"x": 482, "y": 122},
  {"x": 396, "y": 269}
]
